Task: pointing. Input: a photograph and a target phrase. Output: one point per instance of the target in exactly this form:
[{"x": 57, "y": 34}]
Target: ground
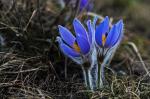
[{"x": 32, "y": 65}]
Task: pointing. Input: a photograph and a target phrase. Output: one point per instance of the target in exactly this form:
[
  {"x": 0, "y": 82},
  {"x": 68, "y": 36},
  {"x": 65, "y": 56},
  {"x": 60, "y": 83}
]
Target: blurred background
[{"x": 32, "y": 66}]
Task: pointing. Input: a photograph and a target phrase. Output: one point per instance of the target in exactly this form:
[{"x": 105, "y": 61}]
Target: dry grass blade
[
  {"x": 33, "y": 14},
  {"x": 139, "y": 56}
]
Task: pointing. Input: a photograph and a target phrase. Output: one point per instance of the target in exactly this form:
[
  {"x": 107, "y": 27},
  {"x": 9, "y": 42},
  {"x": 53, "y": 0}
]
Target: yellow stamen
[
  {"x": 76, "y": 47},
  {"x": 103, "y": 39}
]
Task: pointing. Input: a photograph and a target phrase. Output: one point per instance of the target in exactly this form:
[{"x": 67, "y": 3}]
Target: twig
[
  {"x": 33, "y": 14},
  {"x": 41, "y": 94},
  {"x": 22, "y": 71},
  {"x": 12, "y": 28},
  {"x": 139, "y": 56},
  {"x": 93, "y": 15}
]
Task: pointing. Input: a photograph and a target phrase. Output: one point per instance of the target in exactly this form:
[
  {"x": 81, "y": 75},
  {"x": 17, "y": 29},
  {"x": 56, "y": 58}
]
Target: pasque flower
[
  {"x": 82, "y": 4},
  {"x": 85, "y": 48},
  {"x": 106, "y": 37},
  {"x": 79, "y": 47},
  {"x": 107, "y": 40},
  {"x": 85, "y": 4}
]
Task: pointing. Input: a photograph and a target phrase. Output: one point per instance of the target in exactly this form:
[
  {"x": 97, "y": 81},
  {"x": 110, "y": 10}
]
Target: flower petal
[
  {"x": 112, "y": 37},
  {"x": 101, "y": 29},
  {"x": 66, "y": 35},
  {"x": 90, "y": 30},
  {"x": 68, "y": 51},
  {"x": 83, "y": 4},
  {"x": 120, "y": 29},
  {"x": 79, "y": 28},
  {"x": 119, "y": 33},
  {"x": 95, "y": 20},
  {"x": 83, "y": 44}
]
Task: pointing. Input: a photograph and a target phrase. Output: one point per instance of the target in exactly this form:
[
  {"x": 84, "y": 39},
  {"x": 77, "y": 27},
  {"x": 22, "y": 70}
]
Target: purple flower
[
  {"x": 86, "y": 4},
  {"x": 83, "y": 4},
  {"x": 78, "y": 45},
  {"x": 106, "y": 37},
  {"x": 107, "y": 40}
]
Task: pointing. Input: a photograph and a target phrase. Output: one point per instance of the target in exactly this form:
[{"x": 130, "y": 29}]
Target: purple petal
[
  {"x": 119, "y": 34},
  {"x": 68, "y": 51},
  {"x": 79, "y": 28},
  {"x": 83, "y": 44},
  {"x": 66, "y": 35},
  {"x": 90, "y": 30},
  {"x": 112, "y": 37},
  {"x": 83, "y": 4},
  {"x": 102, "y": 29},
  {"x": 120, "y": 29}
]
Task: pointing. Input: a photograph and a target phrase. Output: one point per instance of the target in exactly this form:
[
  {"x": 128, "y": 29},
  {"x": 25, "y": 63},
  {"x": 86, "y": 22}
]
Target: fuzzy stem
[
  {"x": 98, "y": 81},
  {"x": 101, "y": 76},
  {"x": 87, "y": 77},
  {"x": 94, "y": 75}
]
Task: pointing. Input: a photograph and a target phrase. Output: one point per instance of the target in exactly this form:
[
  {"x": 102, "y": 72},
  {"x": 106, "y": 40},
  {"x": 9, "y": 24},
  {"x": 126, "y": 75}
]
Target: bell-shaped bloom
[
  {"x": 85, "y": 4},
  {"x": 106, "y": 36},
  {"x": 82, "y": 4},
  {"x": 78, "y": 45},
  {"x": 107, "y": 40}
]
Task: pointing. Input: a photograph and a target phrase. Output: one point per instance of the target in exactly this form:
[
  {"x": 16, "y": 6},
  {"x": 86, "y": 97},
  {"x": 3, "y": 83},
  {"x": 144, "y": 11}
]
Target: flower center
[
  {"x": 76, "y": 47},
  {"x": 103, "y": 39}
]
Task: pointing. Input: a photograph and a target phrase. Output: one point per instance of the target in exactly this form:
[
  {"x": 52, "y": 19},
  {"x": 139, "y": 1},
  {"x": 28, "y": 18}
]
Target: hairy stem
[
  {"x": 87, "y": 78},
  {"x": 94, "y": 75},
  {"x": 101, "y": 76}
]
